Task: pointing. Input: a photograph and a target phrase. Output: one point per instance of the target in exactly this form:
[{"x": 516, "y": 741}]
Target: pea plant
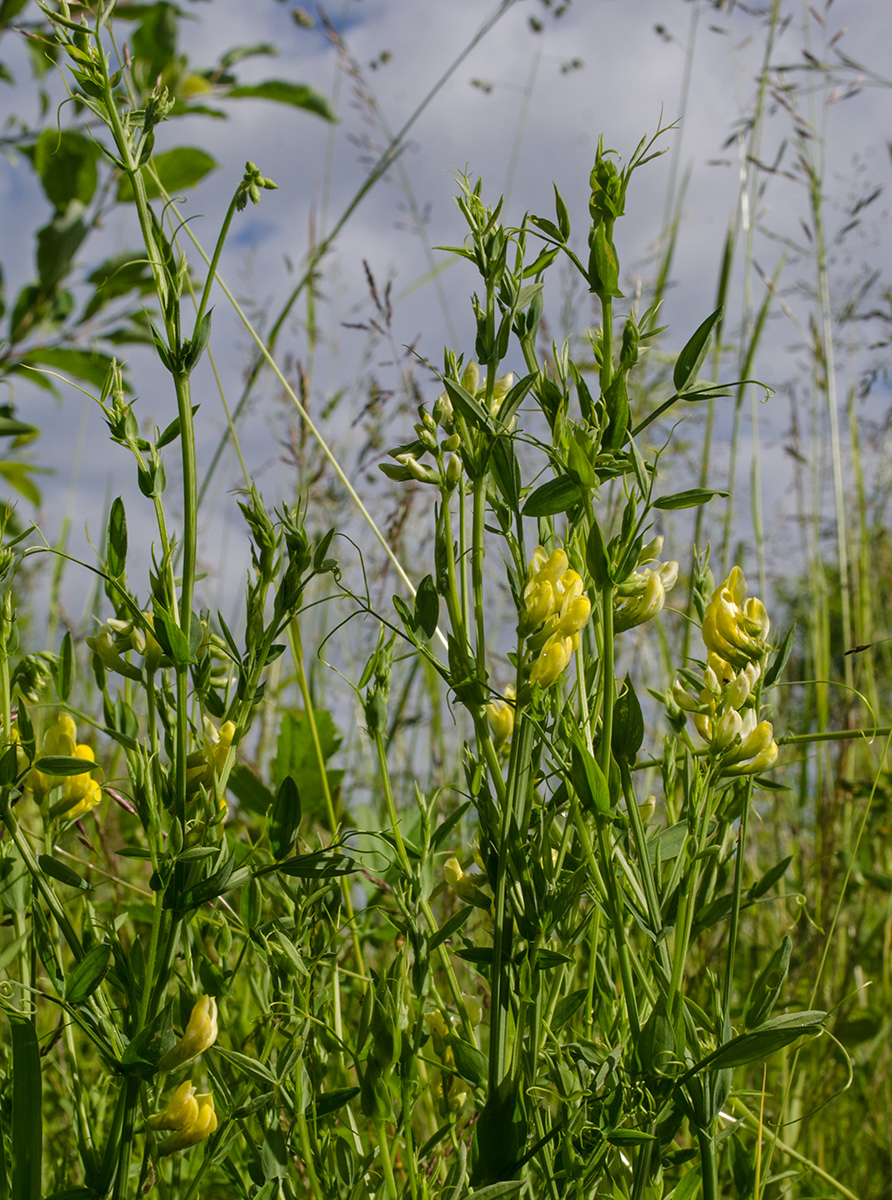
[{"x": 542, "y": 990}]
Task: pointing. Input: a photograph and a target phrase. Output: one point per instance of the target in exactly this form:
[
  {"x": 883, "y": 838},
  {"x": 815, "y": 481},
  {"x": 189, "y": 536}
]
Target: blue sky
[{"x": 522, "y": 110}]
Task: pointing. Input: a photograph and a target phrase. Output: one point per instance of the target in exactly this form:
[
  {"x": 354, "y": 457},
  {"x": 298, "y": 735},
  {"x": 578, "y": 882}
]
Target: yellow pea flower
[
  {"x": 181, "y": 1112},
  {"x": 203, "y": 1125},
  {"x": 201, "y": 1033}
]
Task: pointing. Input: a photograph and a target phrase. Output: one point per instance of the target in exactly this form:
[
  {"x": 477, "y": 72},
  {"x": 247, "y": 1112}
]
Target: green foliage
[{"x": 556, "y": 956}]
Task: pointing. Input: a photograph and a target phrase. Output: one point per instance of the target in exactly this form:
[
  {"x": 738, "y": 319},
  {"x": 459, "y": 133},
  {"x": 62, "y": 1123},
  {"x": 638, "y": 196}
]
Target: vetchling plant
[{"x": 538, "y": 993}]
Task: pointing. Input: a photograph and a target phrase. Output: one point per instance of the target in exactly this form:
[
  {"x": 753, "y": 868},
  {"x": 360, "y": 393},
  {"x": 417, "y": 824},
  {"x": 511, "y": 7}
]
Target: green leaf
[
  {"x": 556, "y": 496},
  {"x": 427, "y": 607},
  {"x": 628, "y": 725},
  {"x": 296, "y": 756},
  {"x": 780, "y": 659},
  {"x": 690, "y": 360},
  {"x": 566, "y": 1007},
  {"x": 689, "y": 499},
  {"x": 170, "y": 637},
  {"x": 88, "y": 974},
  {"x": 452, "y": 926},
  {"x": 141, "y": 1054},
  {"x": 62, "y": 873},
  {"x": 249, "y": 790},
  {"x": 57, "y": 244},
  {"x": 27, "y": 1110},
  {"x": 470, "y": 1063},
  {"x": 66, "y": 164},
  {"x": 596, "y": 557},
  {"x": 63, "y": 765},
  {"x": 668, "y": 843},
  {"x": 329, "y": 1102},
  {"x": 322, "y": 864},
  {"x": 766, "y": 989},
  {"x": 769, "y": 879},
  {"x": 88, "y": 365},
  {"x": 284, "y": 818},
  {"x": 64, "y": 673},
  {"x": 588, "y": 779},
  {"x": 116, "y": 540},
  {"x": 282, "y": 91},
  {"x": 469, "y": 406},
  {"x": 176, "y": 169},
  {"x": 765, "y": 1039}
]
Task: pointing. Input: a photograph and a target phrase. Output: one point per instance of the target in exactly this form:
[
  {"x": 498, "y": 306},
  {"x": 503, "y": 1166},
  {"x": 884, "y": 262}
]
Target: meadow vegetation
[{"x": 573, "y": 879}]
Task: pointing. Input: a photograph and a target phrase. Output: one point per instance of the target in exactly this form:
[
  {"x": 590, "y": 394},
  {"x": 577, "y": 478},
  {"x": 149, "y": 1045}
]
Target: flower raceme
[
  {"x": 643, "y": 594},
  {"x": 191, "y": 1118},
  {"x": 725, "y": 713},
  {"x": 201, "y": 1033},
  {"x": 554, "y": 611},
  {"x": 79, "y": 793}
]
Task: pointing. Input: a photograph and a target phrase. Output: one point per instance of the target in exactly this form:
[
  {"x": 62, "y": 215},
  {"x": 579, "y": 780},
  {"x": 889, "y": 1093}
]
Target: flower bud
[{"x": 470, "y": 379}]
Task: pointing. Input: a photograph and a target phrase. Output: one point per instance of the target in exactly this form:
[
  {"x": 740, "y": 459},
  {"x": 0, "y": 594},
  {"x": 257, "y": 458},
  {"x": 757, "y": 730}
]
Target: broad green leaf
[
  {"x": 249, "y": 790},
  {"x": 296, "y": 756},
  {"x": 283, "y": 91},
  {"x": 57, "y": 244},
  {"x": 176, "y": 169},
  {"x": 766, "y": 1038},
  {"x": 88, "y": 365},
  {"x": 66, "y": 163},
  {"x": 452, "y": 926},
  {"x": 470, "y": 1063},
  {"x": 628, "y": 725},
  {"x": 566, "y": 1007}
]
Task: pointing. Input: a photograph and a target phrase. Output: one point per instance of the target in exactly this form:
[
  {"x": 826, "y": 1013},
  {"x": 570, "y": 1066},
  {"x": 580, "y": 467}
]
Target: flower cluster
[
  {"x": 447, "y": 472},
  {"x": 78, "y": 793},
  {"x": 190, "y": 1117},
  {"x": 115, "y": 638},
  {"x": 554, "y": 611},
  {"x": 726, "y": 712},
  {"x": 643, "y": 594}
]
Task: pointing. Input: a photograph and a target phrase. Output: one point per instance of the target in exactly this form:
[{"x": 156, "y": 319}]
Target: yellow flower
[
  {"x": 500, "y": 714},
  {"x": 464, "y": 883},
  {"x": 79, "y": 793},
  {"x": 643, "y": 594},
  {"x": 201, "y": 1033},
  {"x": 202, "y": 1126},
  {"x": 553, "y": 660},
  {"x": 181, "y": 1112},
  {"x": 734, "y": 628}
]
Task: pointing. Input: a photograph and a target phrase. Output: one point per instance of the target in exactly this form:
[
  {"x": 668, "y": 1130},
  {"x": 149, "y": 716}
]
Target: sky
[{"x": 523, "y": 110}]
